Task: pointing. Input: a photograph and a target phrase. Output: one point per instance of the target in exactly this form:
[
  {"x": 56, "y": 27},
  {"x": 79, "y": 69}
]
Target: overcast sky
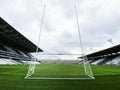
[{"x": 99, "y": 21}]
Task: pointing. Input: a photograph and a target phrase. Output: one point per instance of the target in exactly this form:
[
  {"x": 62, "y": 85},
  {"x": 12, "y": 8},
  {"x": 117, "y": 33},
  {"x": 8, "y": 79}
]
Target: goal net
[{"x": 59, "y": 67}]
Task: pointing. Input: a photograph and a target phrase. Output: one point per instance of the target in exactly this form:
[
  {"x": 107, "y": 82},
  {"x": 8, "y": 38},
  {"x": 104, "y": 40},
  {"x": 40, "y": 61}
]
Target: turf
[
  {"x": 12, "y": 78},
  {"x": 59, "y": 71}
]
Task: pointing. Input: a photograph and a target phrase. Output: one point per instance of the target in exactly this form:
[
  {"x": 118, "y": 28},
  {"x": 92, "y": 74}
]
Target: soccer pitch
[{"x": 12, "y": 78}]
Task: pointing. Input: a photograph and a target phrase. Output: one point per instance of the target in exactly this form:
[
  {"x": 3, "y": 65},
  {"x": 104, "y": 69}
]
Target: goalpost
[{"x": 77, "y": 68}]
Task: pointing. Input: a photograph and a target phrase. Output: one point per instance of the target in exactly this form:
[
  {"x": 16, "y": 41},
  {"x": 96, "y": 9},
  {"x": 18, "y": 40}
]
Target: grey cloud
[{"x": 99, "y": 20}]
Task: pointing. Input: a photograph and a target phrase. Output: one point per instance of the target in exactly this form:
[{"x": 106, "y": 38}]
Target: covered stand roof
[
  {"x": 11, "y": 37},
  {"x": 111, "y": 50}
]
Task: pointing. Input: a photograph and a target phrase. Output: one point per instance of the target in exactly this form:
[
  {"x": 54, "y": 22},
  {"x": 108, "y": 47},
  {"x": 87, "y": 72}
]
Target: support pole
[
  {"x": 37, "y": 49},
  {"x": 80, "y": 39}
]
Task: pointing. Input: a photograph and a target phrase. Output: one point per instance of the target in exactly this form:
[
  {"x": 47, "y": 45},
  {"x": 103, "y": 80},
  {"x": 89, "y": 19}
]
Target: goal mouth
[{"x": 60, "y": 69}]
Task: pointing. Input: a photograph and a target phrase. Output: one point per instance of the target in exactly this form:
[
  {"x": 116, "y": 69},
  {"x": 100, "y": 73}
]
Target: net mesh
[{"x": 60, "y": 68}]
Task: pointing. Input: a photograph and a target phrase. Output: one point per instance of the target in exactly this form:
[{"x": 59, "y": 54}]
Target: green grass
[
  {"x": 59, "y": 71},
  {"x": 12, "y": 78}
]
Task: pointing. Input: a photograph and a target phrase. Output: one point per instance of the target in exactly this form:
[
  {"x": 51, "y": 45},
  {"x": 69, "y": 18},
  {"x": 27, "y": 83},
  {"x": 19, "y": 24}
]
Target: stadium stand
[
  {"x": 109, "y": 56},
  {"x": 14, "y": 47}
]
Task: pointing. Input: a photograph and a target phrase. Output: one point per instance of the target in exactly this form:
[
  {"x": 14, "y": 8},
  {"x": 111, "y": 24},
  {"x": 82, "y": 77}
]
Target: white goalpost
[{"x": 60, "y": 66}]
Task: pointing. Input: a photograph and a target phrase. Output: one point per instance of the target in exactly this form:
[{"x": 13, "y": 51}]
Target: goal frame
[{"x": 87, "y": 71}]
